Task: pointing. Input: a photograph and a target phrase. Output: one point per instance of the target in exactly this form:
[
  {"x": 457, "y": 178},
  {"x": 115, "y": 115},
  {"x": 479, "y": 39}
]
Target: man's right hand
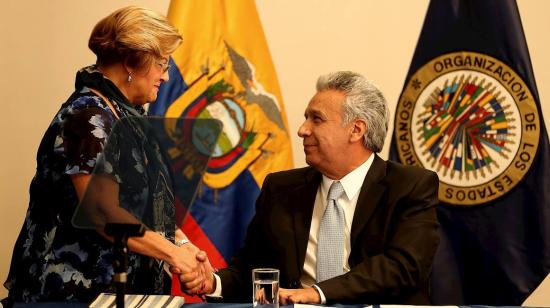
[
  {"x": 189, "y": 282},
  {"x": 187, "y": 262}
]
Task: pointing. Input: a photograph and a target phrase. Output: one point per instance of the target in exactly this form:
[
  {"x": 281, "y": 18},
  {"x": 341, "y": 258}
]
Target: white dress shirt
[{"x": 352, "y": 183}]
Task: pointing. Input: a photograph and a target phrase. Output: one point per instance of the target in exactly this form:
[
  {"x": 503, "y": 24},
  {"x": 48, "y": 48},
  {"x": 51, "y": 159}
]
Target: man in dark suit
[{"x": 384, "y": 213}]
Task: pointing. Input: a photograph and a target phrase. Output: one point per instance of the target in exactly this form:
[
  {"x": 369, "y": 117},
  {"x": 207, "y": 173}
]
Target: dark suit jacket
[{"x": 394, "y": 236}]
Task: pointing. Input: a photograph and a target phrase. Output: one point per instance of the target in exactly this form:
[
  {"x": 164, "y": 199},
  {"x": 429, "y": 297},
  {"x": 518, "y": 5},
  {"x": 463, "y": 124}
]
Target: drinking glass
[{"x": 265, "y": 288}]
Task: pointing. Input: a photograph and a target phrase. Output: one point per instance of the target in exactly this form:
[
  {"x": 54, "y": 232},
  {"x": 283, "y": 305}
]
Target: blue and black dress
[{"x": 54, "y": 261}]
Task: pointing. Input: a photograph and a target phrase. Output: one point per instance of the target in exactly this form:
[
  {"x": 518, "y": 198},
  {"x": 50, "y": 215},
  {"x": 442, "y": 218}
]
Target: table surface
[{"x": 218, "y": 305}]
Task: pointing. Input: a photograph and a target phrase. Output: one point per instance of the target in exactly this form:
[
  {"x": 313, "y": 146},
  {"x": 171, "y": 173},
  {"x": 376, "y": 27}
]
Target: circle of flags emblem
[{"x": 470, "y": 118}]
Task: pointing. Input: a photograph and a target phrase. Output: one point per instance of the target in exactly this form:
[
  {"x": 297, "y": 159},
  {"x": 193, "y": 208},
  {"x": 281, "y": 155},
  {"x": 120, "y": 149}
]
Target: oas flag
[
  {"x": 223, "y": 70},
  {"x": 470, "y": 111}
]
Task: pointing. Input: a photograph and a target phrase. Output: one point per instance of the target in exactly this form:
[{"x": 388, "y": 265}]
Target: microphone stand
[{"x": 121, "y": 232}]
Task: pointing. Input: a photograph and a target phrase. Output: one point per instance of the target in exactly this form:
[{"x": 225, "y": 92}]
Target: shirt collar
[{"x": 352, "y": 181}]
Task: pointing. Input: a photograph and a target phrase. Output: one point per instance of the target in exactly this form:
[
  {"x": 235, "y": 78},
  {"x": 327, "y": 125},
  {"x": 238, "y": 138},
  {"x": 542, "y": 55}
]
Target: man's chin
[{"x": 311, "y": 161}]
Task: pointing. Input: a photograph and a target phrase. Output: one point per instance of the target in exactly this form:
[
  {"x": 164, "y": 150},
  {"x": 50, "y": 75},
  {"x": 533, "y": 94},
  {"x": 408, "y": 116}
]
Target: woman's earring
[{"x": 129, "y": 77}]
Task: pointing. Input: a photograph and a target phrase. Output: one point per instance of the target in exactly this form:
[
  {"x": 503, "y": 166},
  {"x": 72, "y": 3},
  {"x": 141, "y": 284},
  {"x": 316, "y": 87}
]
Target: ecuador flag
[{"x": 223, "y": 70}]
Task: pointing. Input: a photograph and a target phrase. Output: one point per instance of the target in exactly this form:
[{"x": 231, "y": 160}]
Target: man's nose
[{"x": 303, "y": 131}]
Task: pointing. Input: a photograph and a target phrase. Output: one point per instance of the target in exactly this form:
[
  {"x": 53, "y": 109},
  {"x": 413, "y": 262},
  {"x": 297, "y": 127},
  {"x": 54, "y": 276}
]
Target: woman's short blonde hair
[{"x": 133, "y": 35}]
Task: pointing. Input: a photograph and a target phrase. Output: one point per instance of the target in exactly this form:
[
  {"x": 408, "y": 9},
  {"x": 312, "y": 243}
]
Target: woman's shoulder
[
  {"x": 86, "y": 99},
  {"x": 85, "y": 104}
]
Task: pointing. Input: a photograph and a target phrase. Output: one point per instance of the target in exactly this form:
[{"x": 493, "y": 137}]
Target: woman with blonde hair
[{"x": 53, "y": 260}]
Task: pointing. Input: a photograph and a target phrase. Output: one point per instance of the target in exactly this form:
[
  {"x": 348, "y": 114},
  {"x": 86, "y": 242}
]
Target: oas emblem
[{"x": 473, "y": 120}]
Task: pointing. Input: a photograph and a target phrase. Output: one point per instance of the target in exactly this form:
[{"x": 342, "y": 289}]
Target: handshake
[
  {"x": 193, "y": 268},
  {"x": 196, "y": 276}
]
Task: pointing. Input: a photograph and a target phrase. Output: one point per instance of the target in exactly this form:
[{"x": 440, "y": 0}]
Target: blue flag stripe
[{"x": 169, "y": 91}]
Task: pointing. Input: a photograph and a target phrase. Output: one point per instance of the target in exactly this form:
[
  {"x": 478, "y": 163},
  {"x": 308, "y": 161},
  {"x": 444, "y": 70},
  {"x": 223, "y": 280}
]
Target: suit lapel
[
  {"x": 371, "y": 191},
  {"x": 305, "y": 201}
]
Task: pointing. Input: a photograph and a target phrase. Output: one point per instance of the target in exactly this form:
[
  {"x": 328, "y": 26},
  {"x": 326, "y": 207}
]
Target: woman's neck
[{"x": 118, "y": 75}]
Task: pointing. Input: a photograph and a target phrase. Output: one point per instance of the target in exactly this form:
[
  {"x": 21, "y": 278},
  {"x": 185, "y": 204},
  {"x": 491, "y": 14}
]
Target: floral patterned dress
[{"x": 54, "y": 261}]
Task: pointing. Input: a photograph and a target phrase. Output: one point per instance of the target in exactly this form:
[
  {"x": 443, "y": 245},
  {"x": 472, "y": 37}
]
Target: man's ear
[{"x": 358, "y": 130}]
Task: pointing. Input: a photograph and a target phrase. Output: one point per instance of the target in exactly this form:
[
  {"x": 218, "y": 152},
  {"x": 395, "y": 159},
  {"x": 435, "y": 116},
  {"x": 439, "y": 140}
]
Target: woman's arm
[{"x": 103, "y": 207}]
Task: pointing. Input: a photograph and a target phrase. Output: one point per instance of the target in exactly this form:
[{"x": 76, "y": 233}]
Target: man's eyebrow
[{"x": 315, "y": 112}]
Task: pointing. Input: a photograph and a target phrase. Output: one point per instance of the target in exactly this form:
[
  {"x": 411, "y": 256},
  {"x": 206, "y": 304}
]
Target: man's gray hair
[{"x": 363, "y": 101}]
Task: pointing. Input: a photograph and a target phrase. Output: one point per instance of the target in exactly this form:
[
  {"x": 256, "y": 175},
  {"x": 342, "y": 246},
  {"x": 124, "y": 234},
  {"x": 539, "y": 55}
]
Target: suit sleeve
[
  {"x": 236, "y": 279},
  {"x": 404, "y": 265}
]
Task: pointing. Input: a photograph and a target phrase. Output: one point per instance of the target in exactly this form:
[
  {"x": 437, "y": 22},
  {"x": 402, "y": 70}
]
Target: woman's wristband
[{"x": 182, "y": 242}]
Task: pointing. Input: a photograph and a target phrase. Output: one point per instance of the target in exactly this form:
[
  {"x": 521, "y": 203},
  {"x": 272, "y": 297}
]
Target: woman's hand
[
  {"x": 195, "y": 271},
  {"x": 209, "y": 284},
  {"x": 183, "y": 261}
]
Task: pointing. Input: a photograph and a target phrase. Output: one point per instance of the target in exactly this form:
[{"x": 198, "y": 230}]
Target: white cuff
[
  {"x": 323, "y": 298},
  {"x": 218, "y": 290}
]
